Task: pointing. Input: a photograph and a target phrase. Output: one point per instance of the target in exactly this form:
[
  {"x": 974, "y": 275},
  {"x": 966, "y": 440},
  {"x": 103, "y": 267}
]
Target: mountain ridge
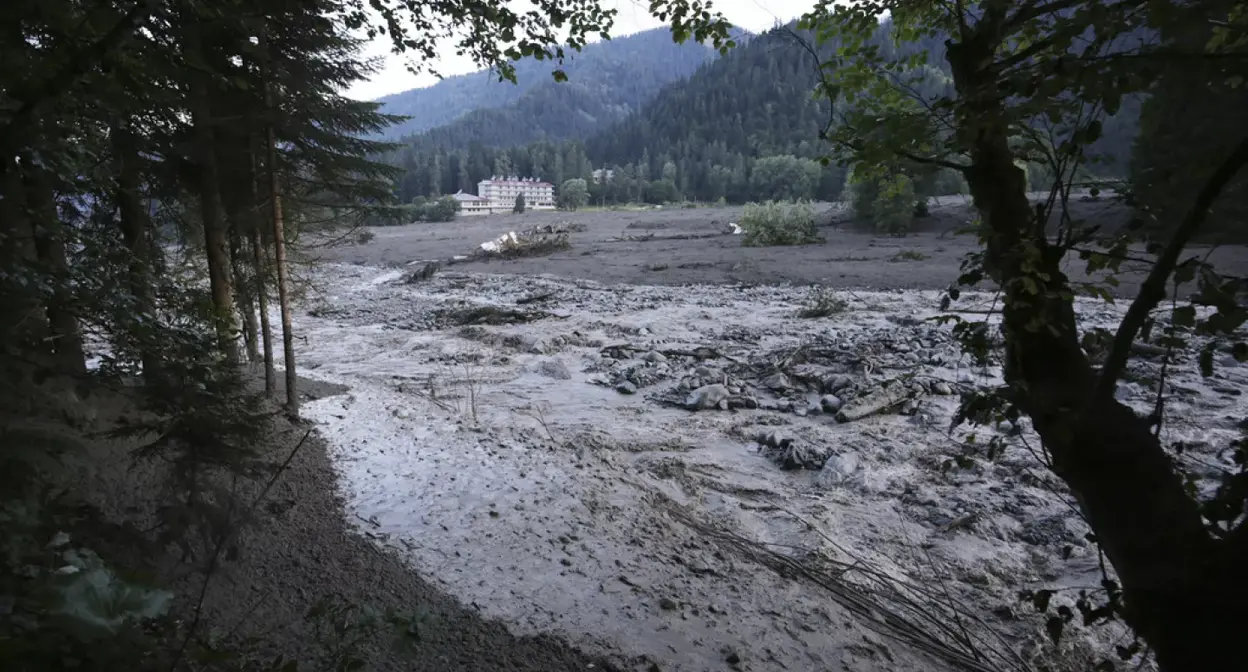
[{"x": 628, "y": 60}]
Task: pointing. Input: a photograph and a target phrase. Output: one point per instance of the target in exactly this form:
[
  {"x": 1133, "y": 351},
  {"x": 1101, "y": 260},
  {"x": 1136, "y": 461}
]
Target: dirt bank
[
  {"x": 299, "y": 552},
  {"x": 691, "y": 246}
]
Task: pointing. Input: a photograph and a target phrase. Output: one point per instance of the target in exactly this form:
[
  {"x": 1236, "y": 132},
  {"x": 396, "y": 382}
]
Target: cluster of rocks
[
  {"x": 790, "y": 454},
  {"x": 831, "y": 380},
  {"x": 627, "y": 370}
]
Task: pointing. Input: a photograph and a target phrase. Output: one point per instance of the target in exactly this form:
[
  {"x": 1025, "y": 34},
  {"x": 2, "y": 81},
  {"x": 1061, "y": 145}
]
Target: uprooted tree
[{"x": 1033, "y": 81}]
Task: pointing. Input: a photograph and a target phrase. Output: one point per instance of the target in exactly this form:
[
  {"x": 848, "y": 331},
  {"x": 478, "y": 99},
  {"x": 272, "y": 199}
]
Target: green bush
[
  {"x": 773, "y": 223},
  {"x": 574, "y": 194},
  {"x": 885, "y": 202},
  {"x": 436, "y": 210}
]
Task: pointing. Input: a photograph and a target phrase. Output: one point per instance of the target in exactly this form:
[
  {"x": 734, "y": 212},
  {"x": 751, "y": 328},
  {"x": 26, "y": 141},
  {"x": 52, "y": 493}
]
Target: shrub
[
  {"x": 438, "y": 210},
  {"x": 574, "y": 194},
  {"x": 822, "y": 302},
  {"x": 885, "y": 202},
  {"x": 773, "y": 223},
  {"x": 519, "y": 207},
  {"x": 909, "y": 255}
]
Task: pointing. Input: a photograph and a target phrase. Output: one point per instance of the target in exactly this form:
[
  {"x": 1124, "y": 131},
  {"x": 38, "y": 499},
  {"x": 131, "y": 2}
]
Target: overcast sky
[{"x": 632, "y": 16}]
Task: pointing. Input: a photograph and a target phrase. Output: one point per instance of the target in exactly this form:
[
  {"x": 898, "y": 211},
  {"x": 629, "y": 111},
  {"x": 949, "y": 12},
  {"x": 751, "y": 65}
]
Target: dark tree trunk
[
  {"x": 216, "y": 234},
  {"x": 23, "y": 320},
  {"x": 66, "y": 337},
  {"x": 246, "y": 306},
  {"x": 261, "y": 274},
  {"x": 279, "y": 234},
  {"x": 1185, "y": 592},
  {"x": 232, "y": 158},
  {"x": 136, "y": 229}
]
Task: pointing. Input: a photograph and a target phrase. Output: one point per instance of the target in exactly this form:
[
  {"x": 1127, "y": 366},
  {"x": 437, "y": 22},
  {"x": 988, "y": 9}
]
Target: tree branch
[
  {"x": 1154, "y": 288},
  {"x": 83, "y": 61}
]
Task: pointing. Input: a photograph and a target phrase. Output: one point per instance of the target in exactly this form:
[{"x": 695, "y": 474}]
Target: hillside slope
[
  {"x": 743, "y": 127},
  {"x": 754, "y": 102},
  {"x": 606, "y": 81}
]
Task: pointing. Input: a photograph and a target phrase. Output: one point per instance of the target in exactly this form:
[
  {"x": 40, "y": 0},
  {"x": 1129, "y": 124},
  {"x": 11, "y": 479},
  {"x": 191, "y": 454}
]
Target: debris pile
[
  {"x": 537, "y": 241},
  {"x": 790, "y": 454}
]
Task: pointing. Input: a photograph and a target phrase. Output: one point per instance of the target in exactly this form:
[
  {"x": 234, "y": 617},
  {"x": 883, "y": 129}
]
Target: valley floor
[
  {"x": 528, "y": 444},
  {"x": 693, "y": 246}
]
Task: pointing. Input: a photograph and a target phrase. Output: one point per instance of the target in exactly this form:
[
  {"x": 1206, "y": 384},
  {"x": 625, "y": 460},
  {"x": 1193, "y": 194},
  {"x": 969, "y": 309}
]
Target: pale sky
[{"x": 632, "y": 17}]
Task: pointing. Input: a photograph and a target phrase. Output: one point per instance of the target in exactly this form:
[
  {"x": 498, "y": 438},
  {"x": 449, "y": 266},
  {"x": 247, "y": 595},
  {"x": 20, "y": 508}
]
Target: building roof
[
  {"x": 517, "y": 180},
  {"x": 468, "y": 198}
]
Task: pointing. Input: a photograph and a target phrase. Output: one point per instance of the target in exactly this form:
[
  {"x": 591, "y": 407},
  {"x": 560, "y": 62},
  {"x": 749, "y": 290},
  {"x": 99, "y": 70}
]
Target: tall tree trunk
[
  {"x": 67, "y": 346},
  {"x": 23, "y": 320},
  {"x": 136, "y": 228},
  {"x": 1184, "y": 592},
  {"x": 232, "y": 156},
  {"x": 261, "y": 273},
  {"x": 216, "y": 235},
  {"x": 246, "y": 306},
  {"x": 279, "y": 233}
]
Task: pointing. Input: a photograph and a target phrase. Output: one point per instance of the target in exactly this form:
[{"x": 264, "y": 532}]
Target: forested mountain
[
  {"x": 753, "y": 102},
  {"x": 606, "y": 81},
  {"x": 742, "y": 127}
]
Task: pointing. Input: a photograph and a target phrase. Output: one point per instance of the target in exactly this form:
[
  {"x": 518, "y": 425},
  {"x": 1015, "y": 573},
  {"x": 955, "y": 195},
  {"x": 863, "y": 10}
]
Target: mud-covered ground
[
  {"x": 692, "y": 246},
  {"x": 700, "y": 478},
  {"x": 297, "y": 550}
]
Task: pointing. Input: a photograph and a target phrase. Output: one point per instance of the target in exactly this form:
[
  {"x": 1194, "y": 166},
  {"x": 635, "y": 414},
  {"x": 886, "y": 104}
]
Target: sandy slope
[{"x": 503, "y": 462}]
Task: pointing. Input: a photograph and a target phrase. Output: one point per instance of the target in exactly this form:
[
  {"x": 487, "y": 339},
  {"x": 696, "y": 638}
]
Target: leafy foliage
[
  {"x": 777, "y": 223},
  {"x": 441, "y": 209},
  {"x": 573, "y": 194},
  {"x": 822, "y": 302},
  {"x": 884, "y": 203}
]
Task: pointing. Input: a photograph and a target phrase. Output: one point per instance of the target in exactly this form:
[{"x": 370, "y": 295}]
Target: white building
[
  {"x": 501, "y": 192},
  {"x": 470, "y": 204}
]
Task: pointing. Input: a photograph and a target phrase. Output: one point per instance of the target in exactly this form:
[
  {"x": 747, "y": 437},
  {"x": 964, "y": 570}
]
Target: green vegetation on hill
[
  {"x": 606, "y": 82},
  {"x": 744, "y": 127}
]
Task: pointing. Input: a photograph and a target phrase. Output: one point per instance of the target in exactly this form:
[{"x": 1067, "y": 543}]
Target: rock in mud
[
  {"x": 942, "y": 388},
  {"x": 655, "y": 357},
  {"x": 707, "y": 396},
  {"x": 873, "y": 403},
  {"x": 831, "y": 403},
  {"x": 837, "y": 383},
  {"x": 626, "y": 387},
  {"x": 790, "y": 455},
  {"x": 839, "y": 470},
  {"x": 777, "y": 382},
  {"x": 553, "y": 368}
]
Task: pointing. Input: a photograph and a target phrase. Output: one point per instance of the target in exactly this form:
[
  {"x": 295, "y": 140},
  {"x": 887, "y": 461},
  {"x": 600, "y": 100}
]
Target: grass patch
[
  {"x": 822, "y": 302},
  {"x": 908, "y": 255}
]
